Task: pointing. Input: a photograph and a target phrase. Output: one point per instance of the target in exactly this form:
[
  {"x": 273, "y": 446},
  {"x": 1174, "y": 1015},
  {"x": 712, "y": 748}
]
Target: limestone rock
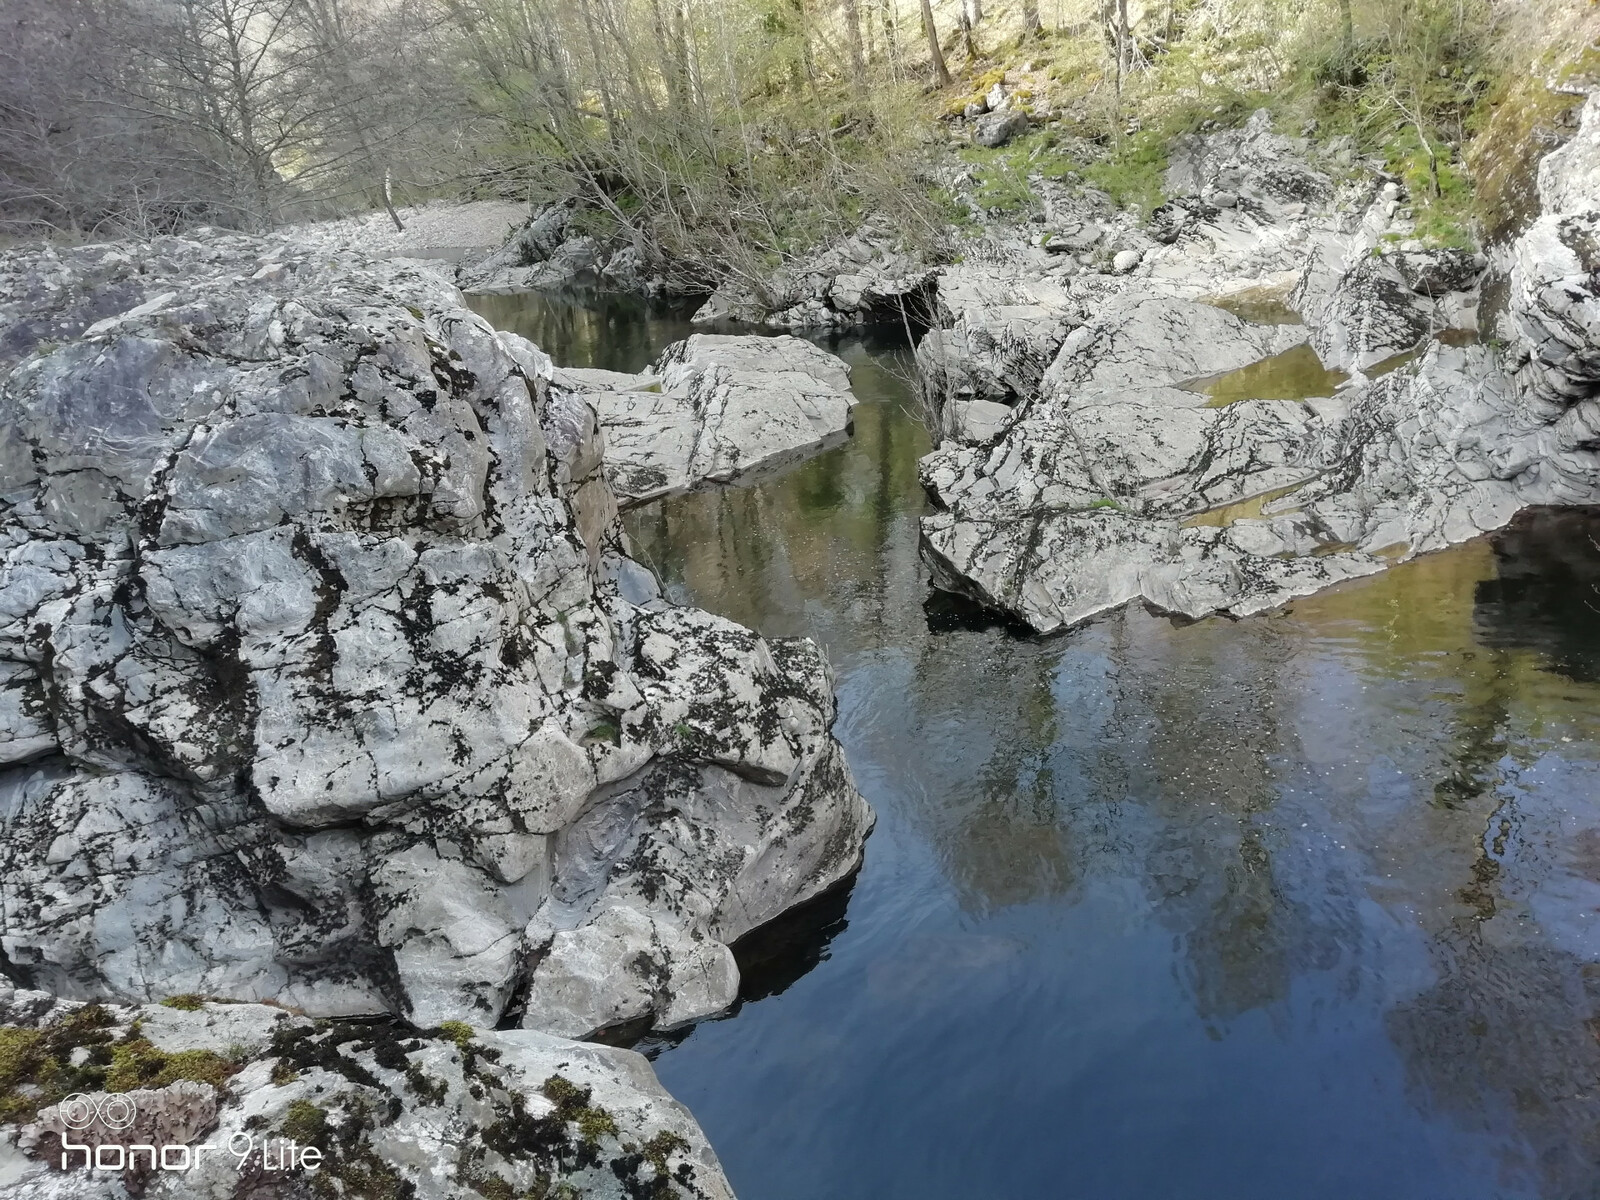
[
  {"x": 391, "y": 1110},
  {"x": 321, "y": 671},
  {"x": 1118, "y": 485},
  {"x": 717, "y": 408},
  {"x": 995, "y": 129},
  {"x": 996, "y": 330}
]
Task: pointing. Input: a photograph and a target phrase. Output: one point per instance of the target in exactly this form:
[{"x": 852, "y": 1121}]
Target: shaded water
[{"x": 1300, "y": 907}]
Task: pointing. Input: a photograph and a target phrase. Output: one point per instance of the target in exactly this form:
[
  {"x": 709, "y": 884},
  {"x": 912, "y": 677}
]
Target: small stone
[{"x": 1126, "y": 260}]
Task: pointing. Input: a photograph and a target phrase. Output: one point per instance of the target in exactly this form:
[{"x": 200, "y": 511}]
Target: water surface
[{"x": 1305, "y": 906}]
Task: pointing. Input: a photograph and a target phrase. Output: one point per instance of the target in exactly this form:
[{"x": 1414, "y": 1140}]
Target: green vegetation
[
  {"x": 572, "y": 1106},
  {"x": 1447, "y": 95},
  {"x": 662, "y": 1147},
  {"x": 44, "y": 1059},
  {"x": 306, "y": 1123},
  {"x": 187, "y": 1002}
]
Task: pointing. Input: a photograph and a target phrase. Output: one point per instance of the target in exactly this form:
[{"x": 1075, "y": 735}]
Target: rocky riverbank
[
  {"x": 1268, "y": 387},
  {"x": 1281, "y": 391},
  {"x": 325, "y": 681}
]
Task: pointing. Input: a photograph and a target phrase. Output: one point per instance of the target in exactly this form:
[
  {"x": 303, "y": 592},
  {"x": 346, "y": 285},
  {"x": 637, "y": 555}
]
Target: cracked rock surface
[
  {"x": 716, "y": 408},
  {"x": 442, "y": 1114},
  {"x": 322, "y": 677},
  {"x": 1131, "y": 472}
]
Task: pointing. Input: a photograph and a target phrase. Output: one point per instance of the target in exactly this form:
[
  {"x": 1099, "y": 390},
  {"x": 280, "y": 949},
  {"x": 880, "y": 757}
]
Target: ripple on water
[{"x": 1302, "y": 905}]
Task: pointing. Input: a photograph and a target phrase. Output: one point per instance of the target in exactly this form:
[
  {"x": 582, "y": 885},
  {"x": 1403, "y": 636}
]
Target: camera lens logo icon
[{"x": 113, "y": 1112}]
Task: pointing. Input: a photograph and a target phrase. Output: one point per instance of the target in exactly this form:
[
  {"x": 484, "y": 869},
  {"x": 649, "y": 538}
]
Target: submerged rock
[{"x": 319, "y": 684}]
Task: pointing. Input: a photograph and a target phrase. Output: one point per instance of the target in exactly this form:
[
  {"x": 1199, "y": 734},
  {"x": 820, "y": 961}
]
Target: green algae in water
[
  {"x": 1251, "y": 508},
  {"x": 1258, "y": 306},
  {"x": 1296, "y": 374},
  {"x": 1447, "y": 337}
]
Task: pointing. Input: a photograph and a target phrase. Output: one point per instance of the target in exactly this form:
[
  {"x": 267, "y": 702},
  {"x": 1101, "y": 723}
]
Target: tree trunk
[
  {"x": 858, "y": 60},
  {"x": 388, "y": 200},
  {"x": 941, "y": 73},
  {"x": 891, "y": 37},
  {"x": 1031, "y": 28},
  {"x": 1124, "y": 44}
]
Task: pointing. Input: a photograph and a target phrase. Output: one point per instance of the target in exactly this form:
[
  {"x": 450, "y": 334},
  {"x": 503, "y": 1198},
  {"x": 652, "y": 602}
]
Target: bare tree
[
  {"x": 1031, "y": 28},
  {"x": 941, "y": 73},
  {"x": 851, "y": 12},
  {"x": 971, "y": 15}
]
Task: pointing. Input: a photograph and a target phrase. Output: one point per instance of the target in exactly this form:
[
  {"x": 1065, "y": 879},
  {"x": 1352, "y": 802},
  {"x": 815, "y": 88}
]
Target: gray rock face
[
  {"x": 860, "y": 280},
  {"x": 391, "y": 1111},
  {"x": 715, "y": 409},
  {"x": 997, "y": 327},
  {"x": 318, "y": 682},
  {"x": 1119, "y": 479},
  {"x": 1555, "y": 289},
  {"x": 995, "y": 129},
  {"x": 549, "y": 253},
  {"x": 1249, "y": 163}
]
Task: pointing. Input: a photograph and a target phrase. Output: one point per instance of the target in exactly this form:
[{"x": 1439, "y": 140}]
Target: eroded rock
[
  {"x": 320, "y": 675},
  {"x": 716, "y": 408},
  {"x": 450, "y": 1114}
]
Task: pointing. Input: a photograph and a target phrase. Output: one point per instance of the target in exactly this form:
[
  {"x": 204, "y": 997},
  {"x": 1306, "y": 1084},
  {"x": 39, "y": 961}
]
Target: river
[{"x": 1299, "y": 907}]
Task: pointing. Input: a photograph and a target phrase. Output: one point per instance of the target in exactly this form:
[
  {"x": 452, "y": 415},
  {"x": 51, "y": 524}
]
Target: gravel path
[{"x": 455, "y": 232}]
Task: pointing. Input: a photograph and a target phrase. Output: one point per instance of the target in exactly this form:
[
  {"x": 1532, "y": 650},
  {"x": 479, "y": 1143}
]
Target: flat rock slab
[{"x": 716, "y": 409}]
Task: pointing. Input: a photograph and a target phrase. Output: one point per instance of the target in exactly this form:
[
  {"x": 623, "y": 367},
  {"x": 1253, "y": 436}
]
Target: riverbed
[{"x": 1301, "y": 906}]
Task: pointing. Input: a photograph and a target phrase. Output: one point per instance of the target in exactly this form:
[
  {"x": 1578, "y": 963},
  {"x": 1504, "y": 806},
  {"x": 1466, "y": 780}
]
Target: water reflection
[
  {"x": 606, "y": 330},
  {"x": 1301, "y": 906},
  {"x": 1545, "y": 591}
]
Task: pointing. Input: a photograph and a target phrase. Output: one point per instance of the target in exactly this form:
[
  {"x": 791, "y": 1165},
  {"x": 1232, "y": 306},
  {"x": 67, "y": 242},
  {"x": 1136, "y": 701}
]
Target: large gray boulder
[
  {"x": 1118, "y": 485},
  {"x": 996, "y": 329},
  {"x": 1555, "y": 287},
  {"x": 864, "y": 279},
  {"x": 715, "y": 409},
  {"x": 318, "y": 683}
]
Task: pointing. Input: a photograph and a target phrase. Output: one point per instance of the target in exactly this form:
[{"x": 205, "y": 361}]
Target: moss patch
[{"x": 44, "y": 1059}]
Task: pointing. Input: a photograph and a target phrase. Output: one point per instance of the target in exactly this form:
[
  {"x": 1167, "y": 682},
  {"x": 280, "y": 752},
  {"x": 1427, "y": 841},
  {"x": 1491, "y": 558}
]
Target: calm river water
[{"x": 1305, "y": 906}]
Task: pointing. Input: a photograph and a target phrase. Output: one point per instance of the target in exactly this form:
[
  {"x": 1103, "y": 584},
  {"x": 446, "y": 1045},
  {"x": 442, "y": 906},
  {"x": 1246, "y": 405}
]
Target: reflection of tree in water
[
  {"x": 1506, "y": 1041},
  {"x": 1487, "y": 855},
  {"x": 613, "y": 332},
  {"x": 1000, "y": 823},
  {"x": 777, "y": 555},
  {"x": 1135, "y": 749},
  {"x": 1202, "y": 711},
  {"x": 1545, "y": 595}
]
